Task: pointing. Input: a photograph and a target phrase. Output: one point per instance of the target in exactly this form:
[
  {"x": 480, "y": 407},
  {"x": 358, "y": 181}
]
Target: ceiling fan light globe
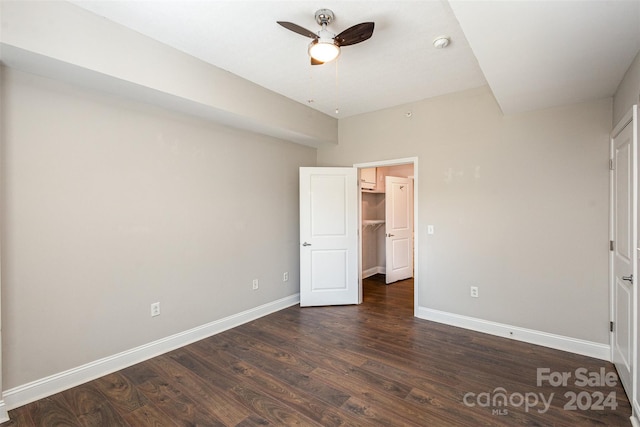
[{"x": 324, "y": 50}]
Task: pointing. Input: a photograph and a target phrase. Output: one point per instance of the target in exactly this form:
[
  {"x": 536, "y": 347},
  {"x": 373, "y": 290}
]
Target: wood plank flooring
[{"x": 373, "y": 364}]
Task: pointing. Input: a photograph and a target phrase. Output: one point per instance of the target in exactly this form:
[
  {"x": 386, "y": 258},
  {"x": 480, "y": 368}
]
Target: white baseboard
[
  {"x": 56, "y": 383},
  {"x": 635, "y": 410},
  {"x": 4, "y": 414},
  {"x": 559, "y": 342},
  {"x": 373, "y": 271}
]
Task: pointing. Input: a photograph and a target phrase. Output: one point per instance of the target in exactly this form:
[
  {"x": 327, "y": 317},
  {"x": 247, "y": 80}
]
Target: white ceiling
[
  {"x": 538, "y": 54},
  {"x": 534, "y": 54}
]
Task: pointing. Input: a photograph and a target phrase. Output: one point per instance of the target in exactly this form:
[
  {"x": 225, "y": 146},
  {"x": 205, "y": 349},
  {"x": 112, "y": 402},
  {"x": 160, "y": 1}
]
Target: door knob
[
  {"x": 628, "y": 278},
  {"x": 306, "y": 244},
  {"x": 390, "y": 235}
]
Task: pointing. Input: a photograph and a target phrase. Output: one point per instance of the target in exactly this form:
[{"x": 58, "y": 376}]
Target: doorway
[
  {"x": 396, "y": 299},
  {"x": 374, "y": 234}
]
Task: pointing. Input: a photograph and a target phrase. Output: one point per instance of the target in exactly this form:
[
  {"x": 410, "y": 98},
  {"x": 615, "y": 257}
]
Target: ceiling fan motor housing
[{"x": 324, "y": 16}]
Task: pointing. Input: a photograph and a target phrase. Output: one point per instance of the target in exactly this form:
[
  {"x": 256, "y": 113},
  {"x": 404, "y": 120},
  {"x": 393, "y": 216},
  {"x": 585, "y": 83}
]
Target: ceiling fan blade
[
  {"x": 356, "y": 34},
  {"x": 298, "y": 29},
  {"x": 315, "y": 61}
]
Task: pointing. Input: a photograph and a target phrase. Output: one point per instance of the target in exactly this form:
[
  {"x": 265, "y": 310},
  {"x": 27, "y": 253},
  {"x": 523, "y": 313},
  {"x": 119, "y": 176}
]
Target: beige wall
[
  {"x": 519, "y": 205},
  {"x": 60, "y": 40},
  {"x": 110, "y": 205},
  {"x": 628, "y": 92}
]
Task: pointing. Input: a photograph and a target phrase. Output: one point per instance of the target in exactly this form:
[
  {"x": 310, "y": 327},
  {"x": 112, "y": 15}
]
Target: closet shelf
[{"x": 374, "y": 223}]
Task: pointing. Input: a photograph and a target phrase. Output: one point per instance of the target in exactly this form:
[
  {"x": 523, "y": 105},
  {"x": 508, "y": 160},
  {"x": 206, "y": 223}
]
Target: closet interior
[{"x": 374, "y": 227}]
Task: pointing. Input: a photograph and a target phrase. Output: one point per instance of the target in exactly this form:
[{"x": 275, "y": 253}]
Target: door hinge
[
  {"x": 610, "y": 326},
  {"x": 610, "y": 164},
  {"x": 611, "y": 245}
]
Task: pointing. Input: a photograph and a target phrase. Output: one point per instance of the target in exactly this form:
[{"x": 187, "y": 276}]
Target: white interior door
[
  {"x": 328, "y": 236},
  {"x": 623, "y": 150},
  {"x": 398, "y": 228}
]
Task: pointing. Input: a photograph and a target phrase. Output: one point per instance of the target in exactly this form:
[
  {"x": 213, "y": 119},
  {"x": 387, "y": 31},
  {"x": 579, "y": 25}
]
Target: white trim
[
  {"x": 56, "y": 383},
  {"x": 635, "y": 422},
  {"x": 373, "y": 271},
  {"x": 636, "y": 303},
  {"x": 393, "y": 162},
  {"x": 4, "y": 414},
  {"x": 360, "y": 272},
  {"x": 559, "y": 342},
  {"x": 626, "y": 119},
  {"x": 610, "y": 253},
  {"x": 629, "y": 119}
]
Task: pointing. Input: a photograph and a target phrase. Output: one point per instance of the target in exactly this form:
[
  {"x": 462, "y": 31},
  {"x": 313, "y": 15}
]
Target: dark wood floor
[{"x": 373, "y": 364}]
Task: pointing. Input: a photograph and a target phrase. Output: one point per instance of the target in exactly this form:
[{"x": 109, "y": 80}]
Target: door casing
[{"x": 630, "y": 119}]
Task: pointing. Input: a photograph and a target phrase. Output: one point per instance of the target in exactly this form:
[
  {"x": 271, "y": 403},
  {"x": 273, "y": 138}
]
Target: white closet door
[{"x": 399, "y": 228}]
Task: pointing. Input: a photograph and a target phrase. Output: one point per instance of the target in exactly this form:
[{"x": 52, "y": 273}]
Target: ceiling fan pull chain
[
  {"x": 325, "y": 46},
  {"x": 311, "y": 87}
]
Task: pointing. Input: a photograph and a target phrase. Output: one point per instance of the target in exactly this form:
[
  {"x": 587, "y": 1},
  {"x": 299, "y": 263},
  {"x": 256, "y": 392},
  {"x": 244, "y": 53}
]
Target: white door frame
[
  {"x": 416, "y": 230},
  {"x": 629, "y": 119},
  {"x": 635, "y": 375}
]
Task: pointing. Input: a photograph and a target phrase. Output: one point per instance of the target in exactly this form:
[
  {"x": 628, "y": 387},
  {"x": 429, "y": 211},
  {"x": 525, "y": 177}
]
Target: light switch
[{"x": 429, "y": 229}]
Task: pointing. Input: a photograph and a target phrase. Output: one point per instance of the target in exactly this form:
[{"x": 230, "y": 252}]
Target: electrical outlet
[
  {"x": 255, "y": 284},
  {"x": 285, "y": 276},
  {"x": 474, "y": 292},
  {"x": 155, "y": 309}
]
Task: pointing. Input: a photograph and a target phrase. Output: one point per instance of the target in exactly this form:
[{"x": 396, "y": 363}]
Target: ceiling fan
[{"x": 325, "y": 46}]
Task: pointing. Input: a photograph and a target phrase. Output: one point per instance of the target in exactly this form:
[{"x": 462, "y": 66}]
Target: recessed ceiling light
[{"x": 441, "y": 42}]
